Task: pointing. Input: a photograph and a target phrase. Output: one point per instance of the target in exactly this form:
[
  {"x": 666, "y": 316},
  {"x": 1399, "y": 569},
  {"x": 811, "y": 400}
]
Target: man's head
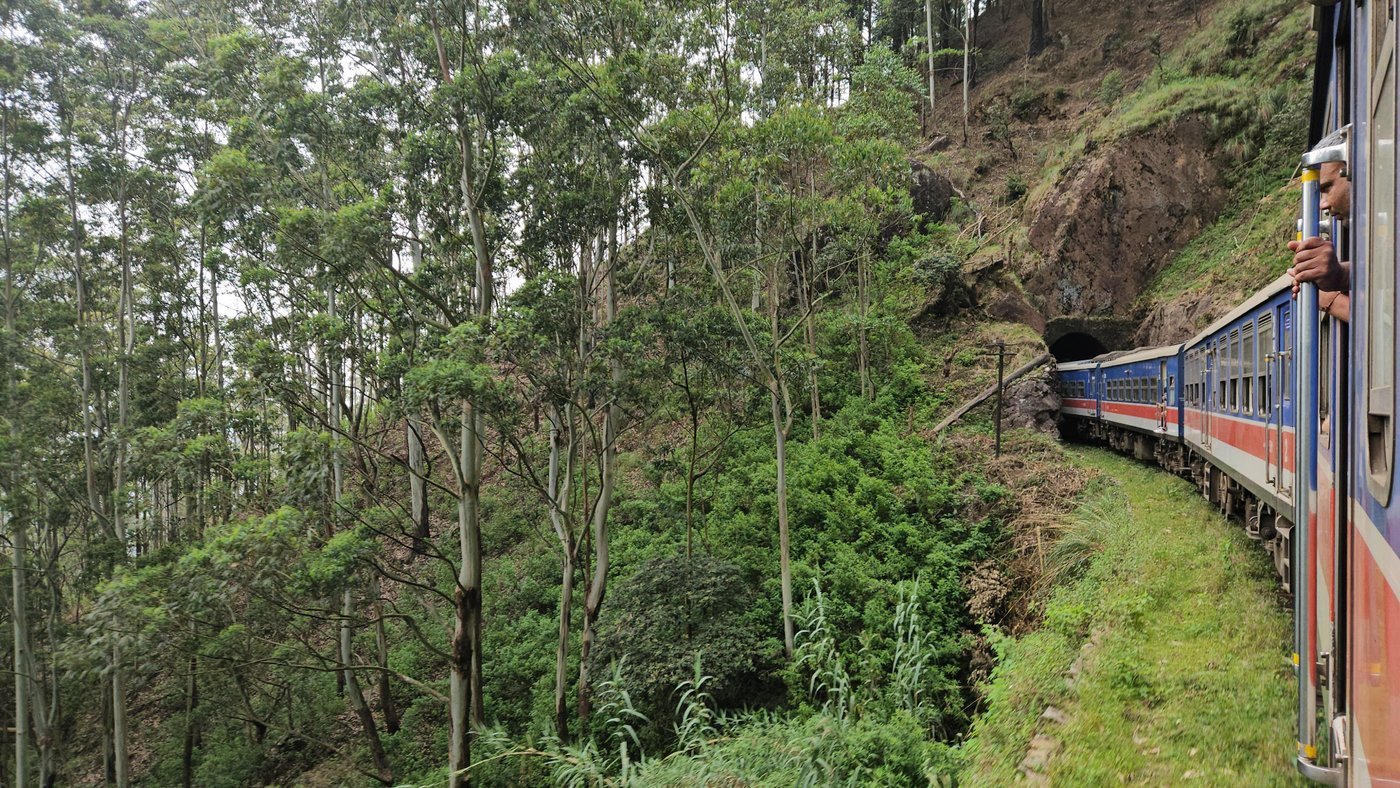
[
  {"x": 1334, "y": 183},
  {"x": 1335, "y": 189}
]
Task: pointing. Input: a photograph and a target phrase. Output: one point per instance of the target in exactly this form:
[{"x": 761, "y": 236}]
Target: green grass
[{"x": 1188, "y": 670}]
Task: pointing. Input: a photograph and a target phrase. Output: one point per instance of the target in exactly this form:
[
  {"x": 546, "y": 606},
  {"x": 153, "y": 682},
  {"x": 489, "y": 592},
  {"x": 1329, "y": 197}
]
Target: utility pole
[{"x": 1001, "y": 385}]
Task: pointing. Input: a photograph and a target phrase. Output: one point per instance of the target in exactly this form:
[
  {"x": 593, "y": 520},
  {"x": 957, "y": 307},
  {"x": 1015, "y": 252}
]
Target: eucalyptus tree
[{"x": 34, "y": 405}]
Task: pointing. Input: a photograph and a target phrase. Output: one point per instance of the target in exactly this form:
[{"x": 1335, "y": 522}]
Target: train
[{"x": 1284, "y": 415}]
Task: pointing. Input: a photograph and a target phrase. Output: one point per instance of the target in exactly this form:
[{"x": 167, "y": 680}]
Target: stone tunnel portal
[
  {"x": 1076, "y": 346},
  {"x": 1080, "y": 338}
]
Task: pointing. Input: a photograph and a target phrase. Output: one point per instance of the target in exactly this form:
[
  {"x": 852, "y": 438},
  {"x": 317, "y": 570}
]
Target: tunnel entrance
[
  {"x": 1076, "y": 346},
  {"x": 1080, "y": 338}
]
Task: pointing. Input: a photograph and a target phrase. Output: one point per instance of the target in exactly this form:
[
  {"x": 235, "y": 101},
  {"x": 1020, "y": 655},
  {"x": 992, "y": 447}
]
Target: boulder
[
  {"x": 932, "y": 192},
  {"x": 1032, "y": 403}
]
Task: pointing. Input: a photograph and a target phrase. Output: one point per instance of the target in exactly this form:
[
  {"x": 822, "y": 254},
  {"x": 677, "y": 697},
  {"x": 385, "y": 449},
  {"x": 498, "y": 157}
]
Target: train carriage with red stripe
[
  {"x": 1287, "y": 415},
  {"x": 1238, "y": 414}
]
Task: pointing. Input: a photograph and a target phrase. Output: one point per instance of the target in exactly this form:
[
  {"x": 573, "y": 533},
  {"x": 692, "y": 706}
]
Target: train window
[
  {"x": 1380, "y": 270},
  {"x": 1234, "y": 371},
  {"x": 1247, "y": 376},
  {"x": 1324, "y": 374},
  {"x": 1284, "y": 373},
  {"x": 1266, "y": 353},
  {"x": 1382, "y": 13},
  {"x": 1171, "y": 389}
]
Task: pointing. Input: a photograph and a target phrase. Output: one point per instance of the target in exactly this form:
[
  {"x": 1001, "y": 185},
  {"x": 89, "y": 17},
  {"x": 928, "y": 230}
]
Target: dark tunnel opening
[{"x": 1076, "y": 346}]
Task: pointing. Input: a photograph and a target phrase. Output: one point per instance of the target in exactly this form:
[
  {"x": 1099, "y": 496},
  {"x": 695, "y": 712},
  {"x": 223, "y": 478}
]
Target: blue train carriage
[
  {"x": 1140, "y": 404},
  {"x": 1238, "y": 414},
  {"x": 1079, "y": 396},
  {"x": 1365, "y": 731}
]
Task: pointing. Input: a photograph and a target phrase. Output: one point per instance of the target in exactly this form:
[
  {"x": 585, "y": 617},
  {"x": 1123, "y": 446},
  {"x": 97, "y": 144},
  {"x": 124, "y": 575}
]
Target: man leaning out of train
[{"x": 1315, "y": 259}]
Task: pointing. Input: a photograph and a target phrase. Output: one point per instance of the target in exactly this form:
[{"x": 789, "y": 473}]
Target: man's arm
[{"x": 1337, "y": 305}]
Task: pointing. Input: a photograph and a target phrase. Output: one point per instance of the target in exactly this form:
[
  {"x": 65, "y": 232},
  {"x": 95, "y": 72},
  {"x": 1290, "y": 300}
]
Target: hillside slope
[{"x": 1133, "y": 177}]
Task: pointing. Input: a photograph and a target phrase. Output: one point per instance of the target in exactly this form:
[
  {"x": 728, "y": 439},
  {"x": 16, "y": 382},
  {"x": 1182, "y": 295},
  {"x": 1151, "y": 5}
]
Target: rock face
[
  {"x": 1180, "y": 319},
  {"x": 1118, "y": 214},
  {"x": 932, "y": 192},
  {"x": 1032, "y": 403}
]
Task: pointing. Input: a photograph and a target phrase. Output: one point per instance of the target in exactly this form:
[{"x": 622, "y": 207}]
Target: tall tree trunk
[
  {"x": 612, "y": 424},
  {"x": 127, "y": 340},
  {"x": 381, "y": 651},
  {"x": 784, "y": 545},
  {"x": 967, "y": 68},
  {"x": 214, "y": 316},
  {"x": 1038, "y": 28},
  {"x": 560, "y": 483},
  {"x": 466, "y": 705},
  {"x": 567, "y": 571},
  {"x": 863, "y": 304},
  {"x": 20, "y": 621},
  {"x": 781, "y": 412},
  {"x": 357, "y": 696},
  {"x": 417, "y": 484},
  {"x": 95, "y": 509},
  {"x": 771, "y": 376},
  {"x": 808, "y": 289},
  {"x": 465, "y": 679},
  {"x": 932, "y": 46},
  {"x": 692, "y": 459}
]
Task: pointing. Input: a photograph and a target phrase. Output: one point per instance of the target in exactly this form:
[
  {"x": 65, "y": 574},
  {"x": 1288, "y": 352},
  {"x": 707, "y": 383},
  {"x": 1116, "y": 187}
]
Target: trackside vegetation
[
  {"x": 1164, "y": 651},
  {"x": 528, "y": 392}
]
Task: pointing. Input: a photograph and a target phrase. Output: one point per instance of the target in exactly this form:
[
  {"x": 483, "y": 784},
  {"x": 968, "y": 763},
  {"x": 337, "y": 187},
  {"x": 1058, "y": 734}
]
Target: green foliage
[
  {"x": 671, "y": 614},
  {"x": 1112, "y": 87},
  {"x": 1015, "y": 187},
  {"x": 883, "y": 95}
]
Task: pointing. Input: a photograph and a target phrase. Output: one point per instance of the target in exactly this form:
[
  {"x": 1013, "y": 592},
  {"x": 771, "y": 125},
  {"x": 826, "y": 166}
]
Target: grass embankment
[{"x": 1165, "y": 644}]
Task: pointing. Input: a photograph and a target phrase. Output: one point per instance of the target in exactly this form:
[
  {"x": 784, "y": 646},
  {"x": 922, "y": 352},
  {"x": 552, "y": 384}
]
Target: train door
[
  {"x": 1159, "y": 397},
  {"x": 1100, "y": 390},
  {"x": 1208, "y": 403},
  {"x": 1282, "y": 397},
  {"x": 1331, "y": 517},
  {"x": 1266, "y": 395}
]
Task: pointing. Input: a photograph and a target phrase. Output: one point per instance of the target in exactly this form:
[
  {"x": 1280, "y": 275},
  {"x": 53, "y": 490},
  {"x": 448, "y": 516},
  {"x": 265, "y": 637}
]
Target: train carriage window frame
[
  {"x": 1234, "y": 372},
  {"x": 1247, "y": 370},
  {"x": 1264, "y": 384},
  {"x": 1379, "y": 295},
  {"x": 1324, "y": 377},
  {"x": 1222, "y": 370}
]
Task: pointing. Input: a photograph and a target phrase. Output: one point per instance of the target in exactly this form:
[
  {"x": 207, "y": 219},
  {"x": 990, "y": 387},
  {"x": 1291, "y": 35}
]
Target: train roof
[
  {"x": 1272, "y": 289},
  {"x": 1119, "y": 357},
  {"x": 1142, "y": 354}
]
